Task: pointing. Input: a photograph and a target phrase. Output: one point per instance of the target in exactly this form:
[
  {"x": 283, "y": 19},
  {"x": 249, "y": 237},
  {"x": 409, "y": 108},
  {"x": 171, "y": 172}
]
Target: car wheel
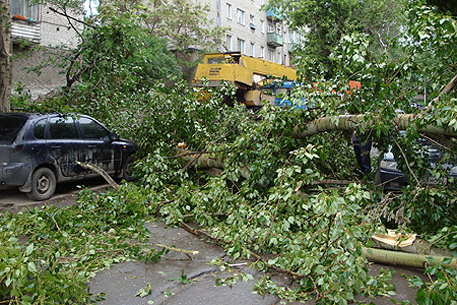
[
  {"x": 127, "y": 169},
  {"x": 43, "y": 184}
]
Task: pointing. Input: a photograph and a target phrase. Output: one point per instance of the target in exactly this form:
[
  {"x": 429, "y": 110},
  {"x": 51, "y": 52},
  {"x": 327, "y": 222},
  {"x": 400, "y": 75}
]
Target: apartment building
[
  {"x": 252, "y": 31},
  {"x": 35, "y": 25}
]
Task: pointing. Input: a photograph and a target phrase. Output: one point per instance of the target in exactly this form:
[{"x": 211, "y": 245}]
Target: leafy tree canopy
[
  {"x": 120, "y": 52},
  {"x": 297, "y": 199},
  {"x": 445, "y": 7},
  {"x": 324, "y": 23},
  {"x": 184, "y": 23}
]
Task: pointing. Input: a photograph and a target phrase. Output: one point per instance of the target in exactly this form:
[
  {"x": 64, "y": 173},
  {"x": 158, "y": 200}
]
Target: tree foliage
[
  {"x": 444, "y": 7},
  {"x": 185, "y": 24},
  {"x": 324, "y": 23},
  {"x": 278, "y": 194}
]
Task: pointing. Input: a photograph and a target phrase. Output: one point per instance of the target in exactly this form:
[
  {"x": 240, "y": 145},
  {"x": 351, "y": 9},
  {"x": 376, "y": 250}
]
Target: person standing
[{"x": 362, "y": 148}]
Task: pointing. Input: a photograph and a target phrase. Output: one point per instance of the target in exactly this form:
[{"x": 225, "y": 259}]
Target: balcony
[
  {"x": 273, "y": 15},
  {"x": 30, "y": 31},
  {"x": 274, "y": 40}
]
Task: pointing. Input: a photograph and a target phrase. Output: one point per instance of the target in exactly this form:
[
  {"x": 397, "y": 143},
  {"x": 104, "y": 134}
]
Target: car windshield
[{"x": 10, "y": 126}]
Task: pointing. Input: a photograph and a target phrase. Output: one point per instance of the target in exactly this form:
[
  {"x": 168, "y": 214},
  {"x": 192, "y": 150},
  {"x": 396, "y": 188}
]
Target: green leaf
[
  {"x": 29, "y": 249},
  {"x": 32, "y": 267}
]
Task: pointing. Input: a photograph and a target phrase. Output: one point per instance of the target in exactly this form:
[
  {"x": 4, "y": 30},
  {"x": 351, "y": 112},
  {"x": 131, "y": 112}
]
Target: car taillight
[{"x": 17, "y": 148}]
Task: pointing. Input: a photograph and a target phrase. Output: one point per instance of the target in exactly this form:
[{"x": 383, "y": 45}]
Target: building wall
[
  {"x": 255, "y": 35},
  {"x": 54, "y": 32}
]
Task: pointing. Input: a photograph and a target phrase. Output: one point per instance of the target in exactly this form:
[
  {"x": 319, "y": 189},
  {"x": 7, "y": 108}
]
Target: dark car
[
  {"x": 37, "y": 151},
  {"x": 392, "y": 179}
]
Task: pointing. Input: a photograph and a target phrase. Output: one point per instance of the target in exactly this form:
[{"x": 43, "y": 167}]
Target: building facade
[
  {"x": 253, "y": 31},
  {"x": 35, "y": 25}
]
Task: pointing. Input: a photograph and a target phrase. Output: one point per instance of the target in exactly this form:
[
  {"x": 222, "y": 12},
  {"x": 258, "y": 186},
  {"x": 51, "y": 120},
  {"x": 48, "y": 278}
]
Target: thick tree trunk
[
  {"x": 407, "y": 259},
  {"x": 5, "y": 52},
  {"x": 327, "y": 124},
  {"x": 354, "y": 122}
]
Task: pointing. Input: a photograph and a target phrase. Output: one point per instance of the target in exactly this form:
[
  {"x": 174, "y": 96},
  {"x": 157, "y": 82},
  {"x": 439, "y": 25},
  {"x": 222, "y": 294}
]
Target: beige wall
[
  {"x": 244, "y": 31},
  {"x": 55, "y": 31}
]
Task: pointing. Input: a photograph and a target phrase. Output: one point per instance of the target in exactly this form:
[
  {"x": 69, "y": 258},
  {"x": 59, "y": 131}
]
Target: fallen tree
[{"x": 356, "y": 122}]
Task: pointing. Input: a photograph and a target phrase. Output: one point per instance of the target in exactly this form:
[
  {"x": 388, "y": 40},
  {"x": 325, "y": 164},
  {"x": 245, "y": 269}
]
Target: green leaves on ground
[{"x": 48, "y": 255}]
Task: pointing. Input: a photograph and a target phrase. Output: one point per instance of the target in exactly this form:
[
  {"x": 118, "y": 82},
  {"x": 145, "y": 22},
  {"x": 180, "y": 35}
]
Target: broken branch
[{"x": 101, "y": 172}]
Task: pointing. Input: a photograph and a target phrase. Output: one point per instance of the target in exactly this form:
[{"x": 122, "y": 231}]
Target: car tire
[
  {"x": 43, "y": 184},
  {"x": 127, "y": 169}
]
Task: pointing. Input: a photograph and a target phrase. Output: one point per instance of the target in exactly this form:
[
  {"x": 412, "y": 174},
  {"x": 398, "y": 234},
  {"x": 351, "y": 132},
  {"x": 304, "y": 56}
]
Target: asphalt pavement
[
  {"x": 124, "y": 282},
  {"x": 178, "y": 279}
]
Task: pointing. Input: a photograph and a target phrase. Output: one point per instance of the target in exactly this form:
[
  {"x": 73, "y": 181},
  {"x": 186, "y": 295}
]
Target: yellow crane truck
[{"x": 246, "y": 73}]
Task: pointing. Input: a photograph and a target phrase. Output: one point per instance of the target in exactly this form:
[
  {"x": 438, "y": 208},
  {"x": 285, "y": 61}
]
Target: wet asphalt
[
  {"x": 123, "y": 282},
  {"x": 163, "y": 282}
]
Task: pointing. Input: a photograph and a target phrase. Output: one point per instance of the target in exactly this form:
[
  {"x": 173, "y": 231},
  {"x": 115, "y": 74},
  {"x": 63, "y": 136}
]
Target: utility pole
[{"x": 5, "y": 54}]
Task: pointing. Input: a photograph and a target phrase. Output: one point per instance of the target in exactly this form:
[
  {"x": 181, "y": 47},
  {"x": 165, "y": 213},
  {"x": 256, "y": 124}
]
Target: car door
[
  {"x": 65, "y": 145},
  {"x": 100, "y": 147}
]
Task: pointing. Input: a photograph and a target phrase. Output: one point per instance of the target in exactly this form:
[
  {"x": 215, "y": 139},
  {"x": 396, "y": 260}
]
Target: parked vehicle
[
  {"x": 244, "y": 72},
  {"x": 37, "y": 151},
  {"x": 390, "y": 178},
  {"x": 257, "y": 81}
]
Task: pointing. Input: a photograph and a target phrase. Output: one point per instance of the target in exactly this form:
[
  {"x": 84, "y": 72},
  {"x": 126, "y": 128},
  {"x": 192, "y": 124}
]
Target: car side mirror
[{"x": 114, "y": 136}]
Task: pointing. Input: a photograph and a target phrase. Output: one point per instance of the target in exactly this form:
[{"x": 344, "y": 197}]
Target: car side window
[
  {"x": 63, "y": 128},
  {"x": 39, "y": 129},
  {"x": 93, "y": 130}
]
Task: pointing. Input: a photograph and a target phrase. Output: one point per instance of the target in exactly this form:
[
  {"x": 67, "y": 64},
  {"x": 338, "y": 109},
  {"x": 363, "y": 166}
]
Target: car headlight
[{"x": 389, "y": 165}]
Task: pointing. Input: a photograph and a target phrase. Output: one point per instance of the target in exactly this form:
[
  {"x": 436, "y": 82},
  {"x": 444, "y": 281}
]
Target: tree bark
[
  {"x": 326, "y": 124},
  {"x": 407, "y": 259},
  {"x": 354, "y": 122},
  {"x": 5, "y": 54}
]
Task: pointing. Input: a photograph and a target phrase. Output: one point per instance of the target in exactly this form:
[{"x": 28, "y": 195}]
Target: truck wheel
[
  {"x": 43, "y": 184},
  {"x": 127, "y": 169}
]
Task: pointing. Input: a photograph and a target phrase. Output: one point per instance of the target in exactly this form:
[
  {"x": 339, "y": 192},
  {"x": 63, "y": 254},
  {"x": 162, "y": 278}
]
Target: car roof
[
  {"x": 37, "y": 115},
  {"x": 19, "y": 114}
]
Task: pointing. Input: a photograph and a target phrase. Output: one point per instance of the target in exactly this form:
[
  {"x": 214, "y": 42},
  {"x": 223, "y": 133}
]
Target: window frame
[
  {"x": 61, "y": 133},
  {"x": 241, "y": 17},
  {"x": 242, "y": 45},
  {"x": 228, "y": 12},
  {"x": 228, "y": 41},
  {"x": 91, "y": 126},
  {"x": 26, "y": 9},
  {"x": 271, "y": 55}
]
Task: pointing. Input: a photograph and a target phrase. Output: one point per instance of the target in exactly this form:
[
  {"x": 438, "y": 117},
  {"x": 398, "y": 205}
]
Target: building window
[
  {"x": 26, "y": 9},
  {"x": 241, "y": 45},
  {"x": 271, "y": 55},
  {"x": 262, "y": 2},
  {"x": 229, "y": 11},
  {"x": 229, "y": 42},
  {"x": 241, "y": 16},
  {"x": 262, "y": 26},
  {"x": 278, "y": 58},
  {"x": 252, "y": 49},
  {"x": 262, "y": 52},
  {"x": 271, "y": 27}
]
